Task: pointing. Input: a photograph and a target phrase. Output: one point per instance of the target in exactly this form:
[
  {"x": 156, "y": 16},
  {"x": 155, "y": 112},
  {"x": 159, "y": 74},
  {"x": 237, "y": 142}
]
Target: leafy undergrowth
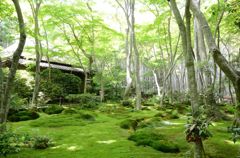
[{"x": 87, "y": 134}]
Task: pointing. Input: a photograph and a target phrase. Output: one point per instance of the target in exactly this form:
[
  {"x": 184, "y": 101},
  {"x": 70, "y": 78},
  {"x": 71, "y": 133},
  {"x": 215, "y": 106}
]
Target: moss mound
[
  {"x": 70, "y": 111},
  {"x": 22, "y": 115},
  {"x": 131, "y": 123},
  {"x": 150, "y": 137},
  {"x": 168, "y": 114},
  {"x": 150, "y": 123},
  {"x": 53, "y": 109}
]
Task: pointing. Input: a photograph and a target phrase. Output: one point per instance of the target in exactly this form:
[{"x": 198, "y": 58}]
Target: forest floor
[{"x": 103, "y": 137}]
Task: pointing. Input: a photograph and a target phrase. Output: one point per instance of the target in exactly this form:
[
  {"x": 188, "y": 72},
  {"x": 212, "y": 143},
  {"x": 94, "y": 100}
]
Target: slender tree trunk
[
  {"x": 14, "y": 65},
  {"x": 102, "y": 89},
  {"x": 1, "y": 93},
  {"x": 189, "y": 62},
  {"x": 35, "y": 12},
  {"x": 156, "y": 82},
  {"x": 47, "y": 51},
  {"x": 85, "y": 83},
  {"x": 128, "y": 65},
  {"x": 136, "y": 57}
]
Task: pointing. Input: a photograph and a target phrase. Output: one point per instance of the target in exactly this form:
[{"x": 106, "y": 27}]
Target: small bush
[
  {"x": 127, "y": 103},
  {"x": 9, "y": 143},
  {"x": 54, "y": 109},
  {"x": 22, "y": 115},
  {"x": 150, "y": 137},
  {"x": 129, "y": 124},
  {"x": 86, "y": 116},
  {"x": 41, "y": 143},
  {"x": 152, "y": 101},
  {"x": 230, "y": 109},
  {"x": 86, "y": 101},
  {"x": 174, "y": 114}
]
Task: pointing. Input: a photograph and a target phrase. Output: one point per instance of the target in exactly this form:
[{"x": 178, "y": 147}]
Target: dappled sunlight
[
  {"x": 107, "y": 142},
  {"x": 231, "y": 142},
  {"x": 171, "y": 123},
  {"x": 74, "y": 148}
]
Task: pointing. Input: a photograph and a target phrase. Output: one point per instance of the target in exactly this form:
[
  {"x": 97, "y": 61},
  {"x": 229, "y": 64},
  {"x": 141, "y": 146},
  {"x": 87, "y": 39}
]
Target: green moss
[
  {"x": 129, "y": 124},
  {"x": 53, "y": 109},
  {"x": 22, "y": 115},
  {"x": 150, "y": 137},
  {"x": 165, "y": 146}
]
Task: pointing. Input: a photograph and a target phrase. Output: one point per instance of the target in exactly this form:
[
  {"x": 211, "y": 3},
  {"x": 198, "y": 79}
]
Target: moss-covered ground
[{"x": 102, "y": 137}]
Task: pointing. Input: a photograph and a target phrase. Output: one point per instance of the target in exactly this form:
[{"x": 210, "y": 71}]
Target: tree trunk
[
  {"x": 1, "y": 92},
  {"x": 35, "y": 12},
  {"x": 14, "y": 65},
  {"x": 136, "y": 57},
  {"x": 47, "y": 51},
  {"x": 102, "y": 89},
  {"x": 156, "y": 82},
  {"x": 128, "y": 65},
  {"x": 85, "y": 82},
  {"x": 189, "y": 62},
  {"x": 219, "y": 59}
]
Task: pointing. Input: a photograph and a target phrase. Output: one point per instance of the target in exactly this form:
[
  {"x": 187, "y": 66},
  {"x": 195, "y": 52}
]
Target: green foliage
[
  {"x": 22, "y": 92},
  {"x": 150, "y": 137},
  {"x": 41, "y": 142},
  {"x": 86, "y": 116},
  {"x": 16, "y": 102},
  {"x": 129, "y": 124},
  {"x": 127, "y": 103},
  {"x": 150, "y": 123},
  {"x": 229, "y": 108},
  {"x": 15, "y": 115},
  {"x": 198, "y": 129},
  {"x": 86, "y": 101},
  {"x": 60, "y": 84},
  {"x": 53, "y": 109},
  {"x": 9, "y": 143},
  {"x": 21, "y": 88},
  {"x": 168, "y": 114}
]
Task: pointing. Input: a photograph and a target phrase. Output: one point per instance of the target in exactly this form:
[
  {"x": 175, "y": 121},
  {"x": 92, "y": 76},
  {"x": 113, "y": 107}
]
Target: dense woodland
[{"x": 120, "y": 78}]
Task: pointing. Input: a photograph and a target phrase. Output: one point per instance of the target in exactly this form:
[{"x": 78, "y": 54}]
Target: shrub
[
  {"x": 86, "y": 101},
  {"x": 151, "y": 101},
  {"x": 60, "y": 85},
  {"x": 54, "y": 109},
  {"x": 127, "y": 103},
  {"x": 150, "y": 137},
  {"x": 129, "y": 124},
  {"x": 9, "y": 143},
  {"x": 41, "y": 142},
  {"x": 174, "y": 115},
  {"x": 17, "y": 102},
  {"x": 86, "y": 116},
  {"x": 22, "y": 115},
  {"x": 229, "y": 109}
]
